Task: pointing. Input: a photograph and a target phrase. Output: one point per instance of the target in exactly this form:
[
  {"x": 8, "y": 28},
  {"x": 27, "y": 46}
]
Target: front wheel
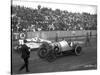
[
  {"x": 57, "y": 51},
  {"x": 42, "y": 52},
  {"x": 78, "y": 50}
]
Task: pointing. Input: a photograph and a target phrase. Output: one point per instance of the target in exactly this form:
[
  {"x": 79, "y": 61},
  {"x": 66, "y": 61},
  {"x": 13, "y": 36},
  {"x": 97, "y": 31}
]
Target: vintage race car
[
  {"x": 51, "y": 51},
  {"x": 33, "y": 43}
]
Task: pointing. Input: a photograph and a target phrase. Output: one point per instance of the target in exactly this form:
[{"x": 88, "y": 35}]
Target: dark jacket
[{"x": 25, "y": 52}]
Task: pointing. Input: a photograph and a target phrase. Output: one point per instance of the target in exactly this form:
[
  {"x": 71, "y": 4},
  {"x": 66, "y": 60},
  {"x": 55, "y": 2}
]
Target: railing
[{"x": 56, "y": 34}]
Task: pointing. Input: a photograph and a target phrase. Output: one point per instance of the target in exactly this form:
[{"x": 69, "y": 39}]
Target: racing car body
[
  {"x": 50, "y": 50},
  {"x": 33, "y": 43},
  {"x": 38, "y": 40},
  {"x": 53, "y": 50}
]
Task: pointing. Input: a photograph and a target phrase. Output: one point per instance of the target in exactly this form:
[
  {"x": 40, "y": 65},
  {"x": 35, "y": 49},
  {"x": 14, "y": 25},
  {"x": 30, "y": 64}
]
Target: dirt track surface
[{"x": 87, "y": 60}]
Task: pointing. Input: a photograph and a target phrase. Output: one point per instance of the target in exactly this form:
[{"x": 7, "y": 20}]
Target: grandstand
[{"x": 46, "y": 19}]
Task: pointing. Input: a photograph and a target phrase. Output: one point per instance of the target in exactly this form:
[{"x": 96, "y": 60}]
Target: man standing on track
[
  {"x": 87, "y": 39},
  {"x": 25, "y": 56},
  {"x": 90, "y": 34}
]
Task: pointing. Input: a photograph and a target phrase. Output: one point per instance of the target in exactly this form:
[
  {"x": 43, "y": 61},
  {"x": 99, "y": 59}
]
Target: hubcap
[{"x": 43, "y": 52}]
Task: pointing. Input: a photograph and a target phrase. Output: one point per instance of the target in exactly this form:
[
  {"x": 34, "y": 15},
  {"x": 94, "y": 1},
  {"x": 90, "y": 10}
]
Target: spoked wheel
[
  {"x": 51, "y": 57},
  {"x": 57, "y": 51},
  {"x": 43, "y": 52},
  {"x": 78, "y": 50}
]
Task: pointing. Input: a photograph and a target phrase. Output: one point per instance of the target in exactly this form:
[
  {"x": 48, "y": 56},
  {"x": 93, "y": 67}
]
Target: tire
[
  {"x": 43, "y": 52},
  {"x": 57, "y": 51},
  {"x": 51, "y": 57},
  {"x": 78, "y": 50}
]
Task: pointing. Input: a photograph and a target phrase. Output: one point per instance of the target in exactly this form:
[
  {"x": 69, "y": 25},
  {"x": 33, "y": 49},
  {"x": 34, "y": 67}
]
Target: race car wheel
[
  {"x": 51, "y": 57},
  {"x": 42, "y": 52},
  {"x": 78, "y": 50},
  {"x": 57, "y": 51}
]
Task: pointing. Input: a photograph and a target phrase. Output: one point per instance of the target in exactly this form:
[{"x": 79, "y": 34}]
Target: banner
[
  {"x": 17, "y": 36},
  {"x": 22, "y": 35}
]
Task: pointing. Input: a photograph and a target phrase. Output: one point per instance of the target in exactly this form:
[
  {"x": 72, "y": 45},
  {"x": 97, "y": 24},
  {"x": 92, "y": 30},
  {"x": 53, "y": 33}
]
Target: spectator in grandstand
[
  {"x": 45, "y": 17},
  {"x": 25, "y": 56}
]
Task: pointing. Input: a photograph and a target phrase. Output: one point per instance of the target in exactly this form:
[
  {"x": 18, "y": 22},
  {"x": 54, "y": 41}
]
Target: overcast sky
[{"x": 63, "y": 6}]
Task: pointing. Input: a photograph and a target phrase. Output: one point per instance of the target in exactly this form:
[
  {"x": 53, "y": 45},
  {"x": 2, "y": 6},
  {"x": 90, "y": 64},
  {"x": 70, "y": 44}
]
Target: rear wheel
[{"x": 78, "y": 50}]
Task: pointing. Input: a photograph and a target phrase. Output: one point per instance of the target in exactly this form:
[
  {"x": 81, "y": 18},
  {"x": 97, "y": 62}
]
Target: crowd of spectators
[{"x": 46, "y": 19}]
